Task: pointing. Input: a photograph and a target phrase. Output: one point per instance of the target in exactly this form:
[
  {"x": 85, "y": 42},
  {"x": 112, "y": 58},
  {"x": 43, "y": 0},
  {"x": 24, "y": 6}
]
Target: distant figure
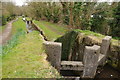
[{"x": 29, "y": 26}]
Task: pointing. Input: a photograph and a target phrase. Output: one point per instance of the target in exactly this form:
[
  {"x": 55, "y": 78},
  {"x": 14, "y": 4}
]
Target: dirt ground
[{"x": 6, "y": 34}]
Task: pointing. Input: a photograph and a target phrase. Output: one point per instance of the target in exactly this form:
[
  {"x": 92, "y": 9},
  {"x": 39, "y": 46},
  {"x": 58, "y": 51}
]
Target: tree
[
  {"x": 115, "y": 26},
  {"x": 7, "y": 12},
  {"x": 98, "y": 20},
  {"x": 77, "y": 14}
]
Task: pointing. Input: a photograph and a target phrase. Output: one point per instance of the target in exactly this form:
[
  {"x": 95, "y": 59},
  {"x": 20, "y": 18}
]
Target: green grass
[
  {"x": 0, "y": 61},
  {"x": 28, "y": 18},
  {"x": 2, "y": 28},
  {"x": 28, "y": 60},
  {"x": 19, "y": 24},
  {"x": 51, "y": 35},
  {"x": 58, "y": 28},
  {"x": 6, "y": 49},
  {"x": 87, "y": 32},
  {"x": 98, "y": 35},
  {"x": 13, "y": 42},
  {"x": 18, "y": 30},
  {"x": 24, "y": 57}
]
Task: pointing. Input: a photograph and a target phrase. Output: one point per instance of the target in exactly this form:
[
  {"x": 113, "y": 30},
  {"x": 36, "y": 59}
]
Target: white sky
[
  {"x": 19, "y": 2},
  {"x": 22, "y": 2}
]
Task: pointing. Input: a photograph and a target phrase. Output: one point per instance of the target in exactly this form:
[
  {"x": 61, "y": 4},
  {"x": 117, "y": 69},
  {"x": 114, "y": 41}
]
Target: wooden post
[
  {"x": 53, "y": 51},
  {"x": 90, "y": 61}
]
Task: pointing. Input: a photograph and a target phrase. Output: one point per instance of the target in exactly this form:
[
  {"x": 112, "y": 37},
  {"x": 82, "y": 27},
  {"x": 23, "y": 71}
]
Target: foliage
[
  {"x": 77, "y": 9},
  {"x": 4, "y": 20},
  {"x": 56, "y": 13},
  {"x": 76, "y": 14},
  {"x": 115, "y": 25},
  {"x": 98, "y": 23},
  {"x": 9, "y": 11}
]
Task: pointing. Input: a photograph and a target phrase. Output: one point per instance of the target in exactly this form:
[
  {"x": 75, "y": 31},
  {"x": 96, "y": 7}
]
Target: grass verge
[
  {"x": 59, "y": 28},
  {"x": 24, "y": 56},
  {"x": 28, "y": 60},
  {"x": 2, "y": 28},
  {"x": 98, "y": 35},
  {"x": 19, "y": 24},
  {"x": 51, "y": 35}
]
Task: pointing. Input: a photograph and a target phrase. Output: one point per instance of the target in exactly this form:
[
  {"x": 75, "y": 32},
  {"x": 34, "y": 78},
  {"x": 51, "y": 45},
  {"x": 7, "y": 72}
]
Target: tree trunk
[{"x": 71, "y": 14}]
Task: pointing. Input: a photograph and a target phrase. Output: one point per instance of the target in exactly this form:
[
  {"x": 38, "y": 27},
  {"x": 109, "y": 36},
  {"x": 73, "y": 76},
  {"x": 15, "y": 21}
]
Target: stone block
[
  {"x": 90, "y": 60},
  {"x": 53, "y": 51}
]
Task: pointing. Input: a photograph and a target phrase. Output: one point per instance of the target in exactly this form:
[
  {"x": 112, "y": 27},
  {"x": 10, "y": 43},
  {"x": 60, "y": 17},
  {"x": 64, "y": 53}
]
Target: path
[{"x": 5, "y": 36}]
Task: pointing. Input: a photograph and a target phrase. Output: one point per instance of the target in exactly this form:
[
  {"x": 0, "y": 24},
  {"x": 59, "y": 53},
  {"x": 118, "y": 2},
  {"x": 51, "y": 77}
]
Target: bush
[
  {"x": 4, "y": 20},
  {"x": 115, "y": 25}
]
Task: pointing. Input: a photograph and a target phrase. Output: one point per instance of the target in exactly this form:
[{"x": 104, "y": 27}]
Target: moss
[{"x": 68, "y": 41}]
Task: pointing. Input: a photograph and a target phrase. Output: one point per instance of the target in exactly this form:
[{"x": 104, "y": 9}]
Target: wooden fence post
[{"x": 90, "y": 61}]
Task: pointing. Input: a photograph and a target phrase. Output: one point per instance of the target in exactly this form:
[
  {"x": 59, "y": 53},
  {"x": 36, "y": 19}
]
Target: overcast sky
[
  {"x": 19, "y": 2},
  {"x": 22, "y": 2}
]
